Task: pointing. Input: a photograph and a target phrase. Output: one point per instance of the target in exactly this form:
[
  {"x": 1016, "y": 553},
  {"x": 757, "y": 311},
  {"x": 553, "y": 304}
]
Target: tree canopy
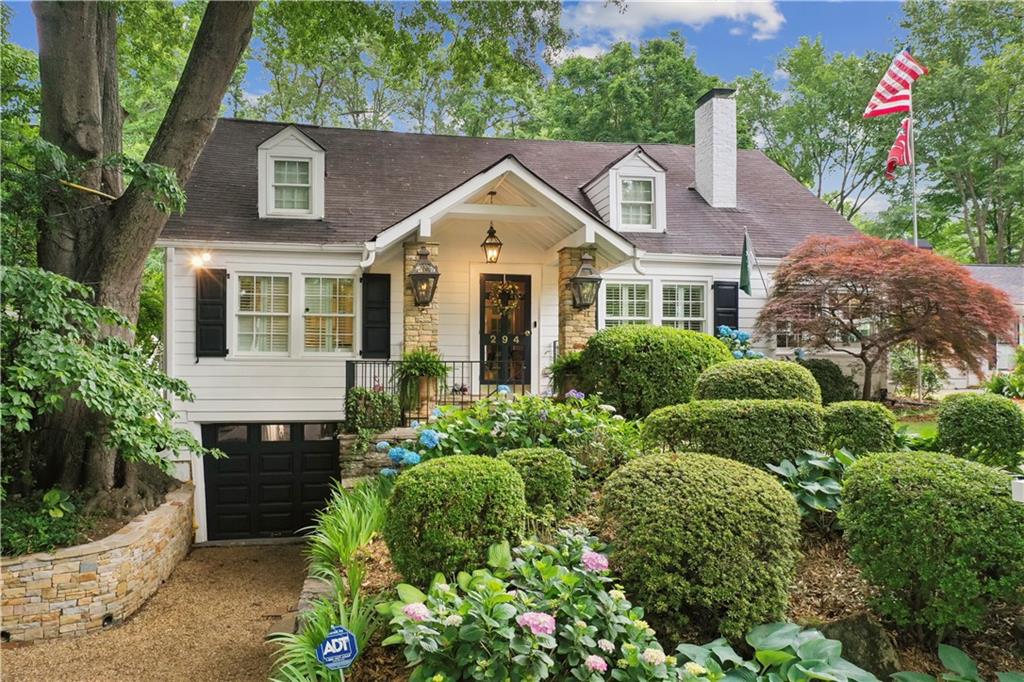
[{"x": 863, "y": 295}]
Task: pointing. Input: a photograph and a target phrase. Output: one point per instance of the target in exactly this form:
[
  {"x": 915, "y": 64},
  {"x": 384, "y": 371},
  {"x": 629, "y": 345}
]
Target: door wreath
[{"x": 505, "y": 297}]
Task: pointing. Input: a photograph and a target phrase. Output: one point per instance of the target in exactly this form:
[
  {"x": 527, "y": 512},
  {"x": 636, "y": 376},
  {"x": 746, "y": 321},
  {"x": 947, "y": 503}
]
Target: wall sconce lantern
[
  {"x": 199, "y": 260},
  {"x": 585, "y": 283},
  {"x": 423, "y": 278},
  {"x": 491, "y": 244}
]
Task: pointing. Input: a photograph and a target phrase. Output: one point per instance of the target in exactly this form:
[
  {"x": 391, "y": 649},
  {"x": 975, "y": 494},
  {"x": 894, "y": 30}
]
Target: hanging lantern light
[
  {"x": 423, "y": 278},
  {"x": 491, "y": 244},
  {"x": 585, "y": 283}
]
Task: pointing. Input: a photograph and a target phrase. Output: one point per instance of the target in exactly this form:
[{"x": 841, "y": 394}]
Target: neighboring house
[
  {"x": 287, "y": 276},
  {"x": 1009, "y": 278}
]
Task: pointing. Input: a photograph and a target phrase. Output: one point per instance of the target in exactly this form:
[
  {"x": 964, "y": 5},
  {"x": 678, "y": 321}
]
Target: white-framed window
[
  {"x": 329, "y": 315},
  {"x": 627, "y": 303},
  {"x": 292, "y": 187},
  {"x": 291, "y": 176},
  {"x": 263, "y": 313},
  {"x": 636, "y": 203},
  {"x": 785, "y": 337},
  {"x": 684, "y": 306}
]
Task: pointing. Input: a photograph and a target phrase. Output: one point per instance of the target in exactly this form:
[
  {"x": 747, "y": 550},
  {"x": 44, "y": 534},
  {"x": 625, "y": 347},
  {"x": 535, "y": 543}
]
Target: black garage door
[{"x": 273, "y": 478}]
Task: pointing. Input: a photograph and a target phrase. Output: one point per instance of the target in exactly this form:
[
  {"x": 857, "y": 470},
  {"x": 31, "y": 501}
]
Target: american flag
[
  {"x": 901, "y": 154},
  {"x": 893, "y": 92}
]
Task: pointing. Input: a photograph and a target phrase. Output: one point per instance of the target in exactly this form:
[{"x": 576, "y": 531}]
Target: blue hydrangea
[
  {"x": 414, "y": 424},
  {"x": 504, "y": 390},
  {"x": 389, "y": 472},
  {"x": 436, "y": 412},
  {"x": 743, "y": 336},
  {"x": 578, "y": 395},
  {"x": 383, "y": 446},
  {"x": 410, "y": 458},
  {"x": 738, "y": 354},
  {"x": 724, "y": 330},
  {"x": 396, "y": 455},
  {"x": 429, "y": 438}
]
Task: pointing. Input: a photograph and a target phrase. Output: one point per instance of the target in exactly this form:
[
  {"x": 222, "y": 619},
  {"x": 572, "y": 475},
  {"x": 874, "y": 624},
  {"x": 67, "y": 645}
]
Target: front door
[{"x": 505, "y": 330}]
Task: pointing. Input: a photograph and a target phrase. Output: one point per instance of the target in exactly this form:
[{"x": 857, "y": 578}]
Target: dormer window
[
  {"x": 637, "y": 206},
  {"x": 291, "y": 168},
  {"x": 291, "y": 185}
]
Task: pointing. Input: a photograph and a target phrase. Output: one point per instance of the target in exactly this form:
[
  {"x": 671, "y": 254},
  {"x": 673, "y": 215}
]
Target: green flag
[{"x": 745, "y": 267}]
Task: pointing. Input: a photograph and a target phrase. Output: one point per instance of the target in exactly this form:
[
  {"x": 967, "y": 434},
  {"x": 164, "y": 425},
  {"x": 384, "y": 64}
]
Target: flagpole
[{"x": 913, "y": 192}]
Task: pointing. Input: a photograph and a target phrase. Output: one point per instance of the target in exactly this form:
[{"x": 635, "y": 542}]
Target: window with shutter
[{"x": 211, "y": 313}]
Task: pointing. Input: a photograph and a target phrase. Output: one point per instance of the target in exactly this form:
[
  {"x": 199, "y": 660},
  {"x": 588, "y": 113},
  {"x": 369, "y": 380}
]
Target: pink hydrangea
[
  {"x": 416, "y": 612},
  {"x": 537, "y": 623},
  {"x": 593, "y": 561},
  {"x": 605, "y": 646},
  {"x": 596, "y": 663},
  {"x": 653, "y": 656}
]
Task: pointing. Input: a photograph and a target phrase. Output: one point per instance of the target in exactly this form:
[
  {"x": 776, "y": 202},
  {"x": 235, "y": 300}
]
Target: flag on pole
[
  {"x": 745, "y": 265},
  {"x": 893, "y": 92},
  {"x": 901, "y": 154}
]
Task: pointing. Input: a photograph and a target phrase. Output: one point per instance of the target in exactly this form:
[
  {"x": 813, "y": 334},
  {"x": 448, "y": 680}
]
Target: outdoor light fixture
[
  {"x": 423, "y": 278},
  {"x": 199, "y": 260},
  {"x": 491, "y": 244},
  {"x": 585, "y": 283}
]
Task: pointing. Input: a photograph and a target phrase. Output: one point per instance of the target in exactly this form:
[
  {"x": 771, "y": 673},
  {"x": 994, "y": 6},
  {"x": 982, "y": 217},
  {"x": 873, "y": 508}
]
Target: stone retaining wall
[
  {"x": 75, "y": 590},
  {"x": 356, "y": 466}
]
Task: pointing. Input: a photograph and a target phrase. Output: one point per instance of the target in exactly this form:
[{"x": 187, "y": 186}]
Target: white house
[{"x": 287, "y": 276}]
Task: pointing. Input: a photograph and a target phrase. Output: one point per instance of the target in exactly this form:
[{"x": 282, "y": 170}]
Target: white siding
[{"x": 598, "y": 194}]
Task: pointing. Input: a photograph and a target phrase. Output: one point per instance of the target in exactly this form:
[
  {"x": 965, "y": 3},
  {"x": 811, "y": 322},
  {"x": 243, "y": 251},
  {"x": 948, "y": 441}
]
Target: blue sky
[{"x": 729, "y": 38}]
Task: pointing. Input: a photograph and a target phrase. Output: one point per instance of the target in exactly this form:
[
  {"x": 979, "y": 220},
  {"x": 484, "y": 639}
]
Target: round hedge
[
  {"x": 547, "y": 474},
  {"x": 757, "y": 379},
  {"x": 860, "y": 426},
  {"x": 982, "y": 427},
  {"x": 444, "y": 514},
  {"x": 939, "y": 537},
  {"x": 835, "y": 386},
  {"x": 703, "y": 538},
  {"x": 639, "y": 368},
  {"x": 755, "y": 432}
]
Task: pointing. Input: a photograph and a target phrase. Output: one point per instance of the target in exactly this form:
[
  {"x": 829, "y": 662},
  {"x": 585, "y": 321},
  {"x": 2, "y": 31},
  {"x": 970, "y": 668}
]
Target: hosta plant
[
  {"x": 815, "y": 479},
  {"x": 545, "y": 612},
  {"x": 959, "y": 668},
  {"x": 782, "y": 651}
]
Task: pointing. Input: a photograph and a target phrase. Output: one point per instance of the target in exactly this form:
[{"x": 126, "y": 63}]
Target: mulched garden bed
[{"x": 828, "y": 586}]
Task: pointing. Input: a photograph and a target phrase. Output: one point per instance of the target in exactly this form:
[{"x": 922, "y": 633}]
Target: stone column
[
  {"x": 420, "y": 323},
  {"x": 575, "y": 325}
]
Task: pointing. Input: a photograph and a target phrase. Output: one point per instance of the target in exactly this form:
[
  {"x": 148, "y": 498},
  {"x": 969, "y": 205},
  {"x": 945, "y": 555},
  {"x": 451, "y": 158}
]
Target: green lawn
[{"x": 927, "y": 429}]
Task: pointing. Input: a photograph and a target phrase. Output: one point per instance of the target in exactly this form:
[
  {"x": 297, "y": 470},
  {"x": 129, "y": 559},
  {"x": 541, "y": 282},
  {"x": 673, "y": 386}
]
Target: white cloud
[
  {"x": 588, "y": 51},
  {"x": 593, "y": 20},
  {"x": 780, "y": 75},
  {"x": 737, "y": 31}
]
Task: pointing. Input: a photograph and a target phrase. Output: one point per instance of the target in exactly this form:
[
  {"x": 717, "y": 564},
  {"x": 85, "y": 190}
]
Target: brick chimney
[{"x": 715, "y": 147}]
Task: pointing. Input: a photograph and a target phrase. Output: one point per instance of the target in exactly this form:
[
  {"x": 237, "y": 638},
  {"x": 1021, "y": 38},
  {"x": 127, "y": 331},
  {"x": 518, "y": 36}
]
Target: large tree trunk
[
  {"x": 869, "y": 368},
  {"x": 97, "y": 241}
]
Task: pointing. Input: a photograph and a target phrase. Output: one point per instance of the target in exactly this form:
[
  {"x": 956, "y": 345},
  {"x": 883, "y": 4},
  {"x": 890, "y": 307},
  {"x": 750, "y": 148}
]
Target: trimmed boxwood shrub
[
  {"x": 835, "y": 386},
  {"x": 444, "y": 514},
  {"x": 367, "y": 410},
  {"x": 547, "y": 475},
  {"x": 860, "y": 426},
  {"x": 939, "y": 537},
  {"x": 756, "y": 432},
  {"x": 982, "y": 427},
  {"x": 702, "y": 538},
  {"x": 757, "y": 379},
  {"x": 639, "y": 368}
]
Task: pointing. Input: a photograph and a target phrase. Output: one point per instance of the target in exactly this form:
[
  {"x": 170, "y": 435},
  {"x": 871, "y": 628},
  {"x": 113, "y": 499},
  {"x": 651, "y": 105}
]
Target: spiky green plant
[{"x": 349, "y": 521}]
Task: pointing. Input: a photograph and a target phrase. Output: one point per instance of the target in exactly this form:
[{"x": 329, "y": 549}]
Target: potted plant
[
  {"x": 565, "y": 372},
  {"x": 418, "y": 376}
]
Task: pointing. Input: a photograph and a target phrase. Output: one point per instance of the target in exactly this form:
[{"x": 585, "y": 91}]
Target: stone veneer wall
[
  {"x": 420, "y": 322},
  {"x": 575, "y": 325},
  {"x": 75, "y": 590}
]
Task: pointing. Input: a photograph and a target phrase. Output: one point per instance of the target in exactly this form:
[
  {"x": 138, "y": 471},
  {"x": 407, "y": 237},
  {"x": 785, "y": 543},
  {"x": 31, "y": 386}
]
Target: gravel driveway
[{"x": 207, "y": 622}]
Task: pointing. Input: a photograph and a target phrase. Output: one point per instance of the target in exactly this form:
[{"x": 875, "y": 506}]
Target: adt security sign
[{"x": 338, "y": 649}]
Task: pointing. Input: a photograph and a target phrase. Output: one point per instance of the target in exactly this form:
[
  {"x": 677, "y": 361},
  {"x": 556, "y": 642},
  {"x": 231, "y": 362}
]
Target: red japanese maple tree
[{"x": 863, "y": 295}]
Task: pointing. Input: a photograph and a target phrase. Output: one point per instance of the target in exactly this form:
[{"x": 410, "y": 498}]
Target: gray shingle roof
[
  {"x": 1009, "y": 278},
  {"x": 376, "y": 178}
]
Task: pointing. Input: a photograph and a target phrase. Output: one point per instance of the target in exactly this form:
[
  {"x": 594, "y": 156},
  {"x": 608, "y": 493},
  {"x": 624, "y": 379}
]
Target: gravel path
[{"x": 207, "y": 622}]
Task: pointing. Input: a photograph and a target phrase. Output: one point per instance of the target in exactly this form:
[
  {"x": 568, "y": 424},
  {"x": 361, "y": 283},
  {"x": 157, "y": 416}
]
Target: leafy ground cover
[{"x": 926, "y": 428}]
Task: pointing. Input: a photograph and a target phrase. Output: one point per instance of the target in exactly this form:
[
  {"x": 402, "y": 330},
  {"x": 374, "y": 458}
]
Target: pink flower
[
  {"x": 596, "y": 663},
  {"x": 593, "y": 561},
  {"x": 605, "y": 646},
  {"x": 537, "y": 623},
  {"x": 653, "y": 656},
  {"x": 416, "y": 612}
]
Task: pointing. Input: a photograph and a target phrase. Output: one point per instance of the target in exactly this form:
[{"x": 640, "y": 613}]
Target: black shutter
[
  {"x": 727, "y": 304},
  {"x": 376, "y": 316},
  {"x": 211, "y": 313}
]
